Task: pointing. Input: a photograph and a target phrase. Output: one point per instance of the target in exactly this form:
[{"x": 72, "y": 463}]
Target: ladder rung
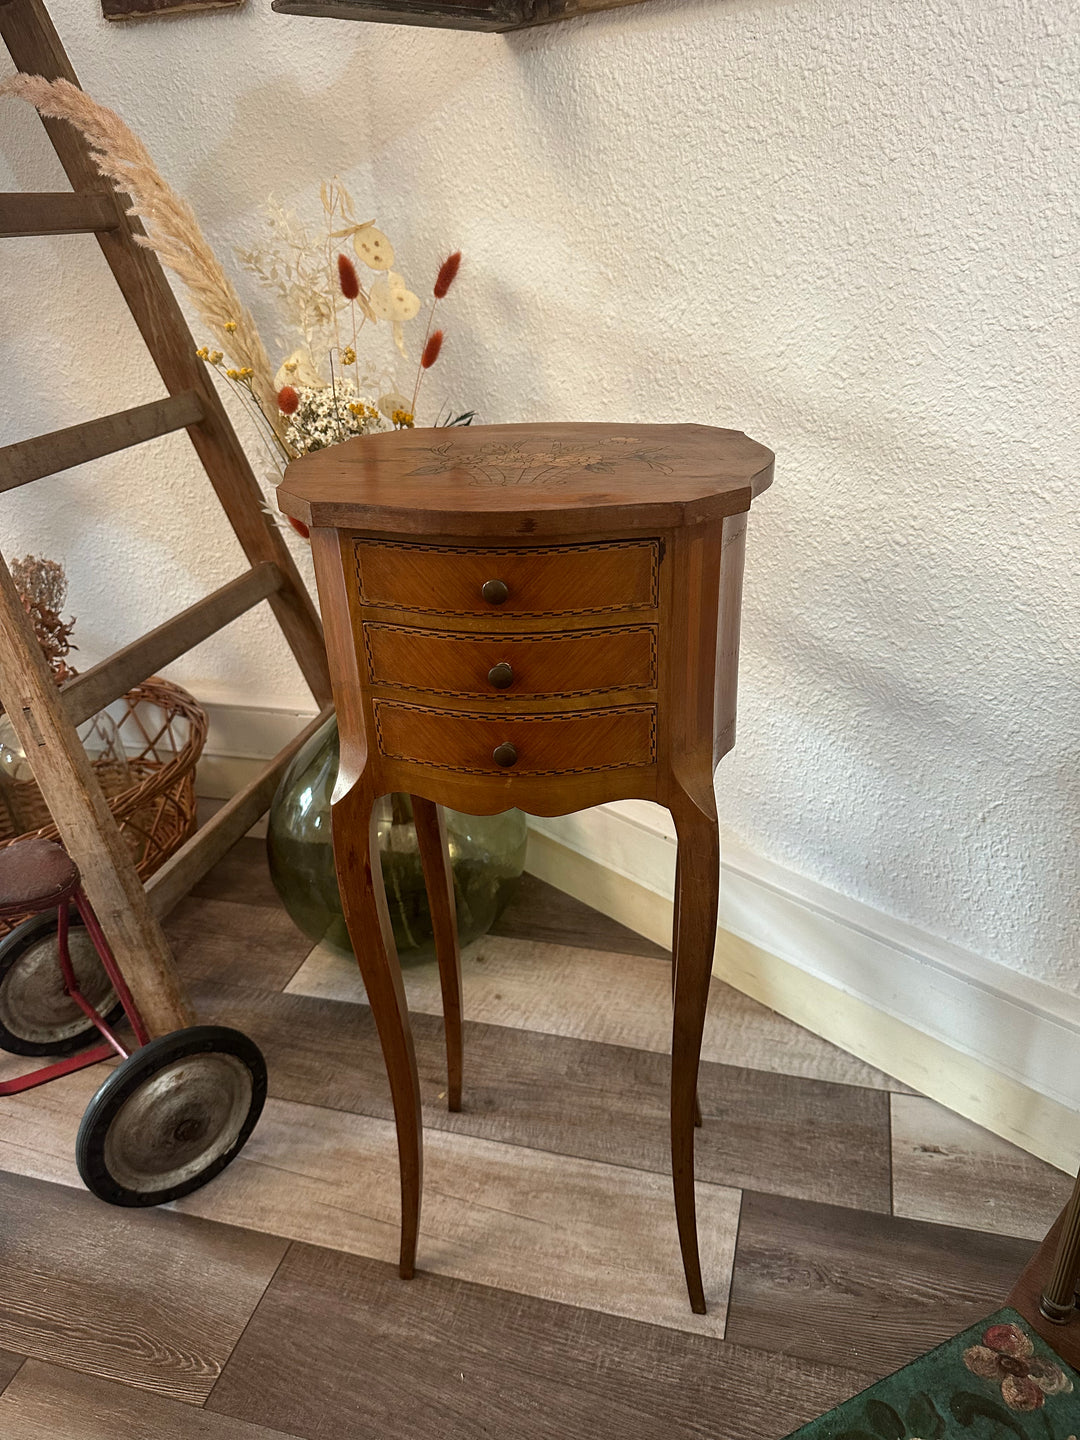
[
  {"x": 220, "y": 833},
  {"x": 66, "y": 213},
  {"x": 28, "y": 460},
  {"x": 88, "y": 693}
]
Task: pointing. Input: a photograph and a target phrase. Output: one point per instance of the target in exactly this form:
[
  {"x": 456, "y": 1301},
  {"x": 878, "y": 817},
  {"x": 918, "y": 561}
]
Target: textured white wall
[{"x": 848, "y": 227}]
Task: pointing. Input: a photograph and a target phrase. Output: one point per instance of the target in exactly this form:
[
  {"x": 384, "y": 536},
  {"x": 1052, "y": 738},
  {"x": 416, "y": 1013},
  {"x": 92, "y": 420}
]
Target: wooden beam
[
  {"x": 497, "y": 16},
  {"x": 35, "y": 47},
  {"x": 59, "y": 214},
  {"x": 205, "y": 848},
  {"x": 90, "y": 692},
  {"x": 42, "y": 455},
  {"x": 80, "y": 812}
]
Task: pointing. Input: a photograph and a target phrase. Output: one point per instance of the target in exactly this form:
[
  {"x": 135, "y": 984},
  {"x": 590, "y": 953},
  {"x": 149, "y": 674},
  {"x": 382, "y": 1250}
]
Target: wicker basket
[{"x": 164, "y": 731}]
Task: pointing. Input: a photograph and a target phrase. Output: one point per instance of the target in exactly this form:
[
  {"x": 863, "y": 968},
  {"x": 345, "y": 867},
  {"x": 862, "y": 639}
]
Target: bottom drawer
[{"x": 565, "y": 743}]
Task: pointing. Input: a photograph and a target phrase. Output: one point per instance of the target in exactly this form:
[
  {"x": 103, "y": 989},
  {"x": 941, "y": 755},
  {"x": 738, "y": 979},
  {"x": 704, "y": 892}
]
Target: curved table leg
[
  {"x": 675, "y": 969},
  {"x": 359, "y": 871},
  {"x": 435, "y": 857},
  {"x": 696, "y": 907}
]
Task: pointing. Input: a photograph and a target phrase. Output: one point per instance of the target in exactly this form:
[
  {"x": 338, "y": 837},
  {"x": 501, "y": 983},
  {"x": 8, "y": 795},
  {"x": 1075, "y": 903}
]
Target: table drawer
[
  {"x": 551, "y": 580},
  {"x": 578, "y": 662},
  {"x": 560, "y": 743}
]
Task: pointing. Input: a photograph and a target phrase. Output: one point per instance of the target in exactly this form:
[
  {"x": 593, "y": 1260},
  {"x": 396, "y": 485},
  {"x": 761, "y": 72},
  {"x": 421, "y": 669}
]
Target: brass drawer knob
[
  {"x": 495, "y": 592},
  {"x": 505, "y": 755},
  {"x": 501, "y": 676}
]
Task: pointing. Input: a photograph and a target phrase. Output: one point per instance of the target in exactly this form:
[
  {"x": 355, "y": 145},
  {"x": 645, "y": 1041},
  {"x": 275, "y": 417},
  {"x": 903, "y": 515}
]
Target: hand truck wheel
[
  {"x": 37, "y": 1015},
  {"x": 171, "y": 1116}
]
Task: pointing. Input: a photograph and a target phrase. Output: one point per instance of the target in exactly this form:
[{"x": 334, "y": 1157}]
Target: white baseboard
[
  {"x": 991, "y": 1044},
  {"x": 240, "y": 740}
]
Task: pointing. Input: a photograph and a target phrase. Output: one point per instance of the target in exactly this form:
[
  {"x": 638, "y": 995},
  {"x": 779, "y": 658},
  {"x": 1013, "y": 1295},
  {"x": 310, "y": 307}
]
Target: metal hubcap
[
  {"x": 178, "y": 1122},
  {"x": 33, "y": 1002}
]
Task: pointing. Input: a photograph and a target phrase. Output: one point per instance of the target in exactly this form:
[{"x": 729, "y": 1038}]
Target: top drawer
[{"x": 552, "y": 580}]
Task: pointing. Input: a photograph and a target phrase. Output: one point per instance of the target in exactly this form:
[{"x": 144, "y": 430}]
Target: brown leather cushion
[{"x": 34, "y": 874}]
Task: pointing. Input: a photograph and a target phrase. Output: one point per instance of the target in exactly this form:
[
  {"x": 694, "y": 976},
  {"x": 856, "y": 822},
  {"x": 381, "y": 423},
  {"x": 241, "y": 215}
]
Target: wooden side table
[{"x": 541, "y": 616}]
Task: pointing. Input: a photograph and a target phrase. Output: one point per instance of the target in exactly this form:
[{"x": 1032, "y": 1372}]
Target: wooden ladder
[{"x": 44, "y": 717}]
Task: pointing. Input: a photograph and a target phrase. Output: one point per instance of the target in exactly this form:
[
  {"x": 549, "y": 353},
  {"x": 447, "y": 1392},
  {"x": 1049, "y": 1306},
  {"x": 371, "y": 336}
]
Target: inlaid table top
[{"x": 528, "y": 479}]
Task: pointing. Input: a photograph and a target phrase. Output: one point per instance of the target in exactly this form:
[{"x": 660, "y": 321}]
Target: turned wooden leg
[
  {"x": 435, "y": 857},
  {"x": 696, "y": 907},
  {"x": 359, "y": 871},
  {"x": 674, "y": 972},
  {"x": 1058, "y": 1300}
]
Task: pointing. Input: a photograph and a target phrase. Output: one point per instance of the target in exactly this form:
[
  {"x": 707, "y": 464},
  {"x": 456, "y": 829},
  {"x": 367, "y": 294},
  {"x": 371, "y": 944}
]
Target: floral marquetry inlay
[{"x": 527, "y": 462}]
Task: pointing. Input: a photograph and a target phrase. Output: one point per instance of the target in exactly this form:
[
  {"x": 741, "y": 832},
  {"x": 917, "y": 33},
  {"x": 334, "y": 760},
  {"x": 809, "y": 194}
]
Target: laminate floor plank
[
  {"x": 152, "y": 1298},
  {"x": 38, "y": 1128},
  {"x": 598, "y": 1236},
  {"x": 49, "y": 1402},
  {"x": 235, "y": 942},
  {"x": 762, "y": 1131},
  {"x": 341, "y": 1349},
  {"x": 540, "y": 912},
  {"x": 241, "y": 874},
  {"x": 9, "y": 1367},
  {"x": 950, "y": 1170},
  {"x": 597, "y": 995},
  {"x": 845, "y": 1287}
]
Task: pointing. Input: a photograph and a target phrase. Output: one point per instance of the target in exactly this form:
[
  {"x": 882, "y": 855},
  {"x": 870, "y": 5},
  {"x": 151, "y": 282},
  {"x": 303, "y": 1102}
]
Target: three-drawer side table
[{"x": 541, "y": 616}]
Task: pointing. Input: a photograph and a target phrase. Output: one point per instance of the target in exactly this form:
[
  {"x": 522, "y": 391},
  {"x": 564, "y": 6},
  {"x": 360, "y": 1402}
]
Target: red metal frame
[{"x": 46, "y": 1073}]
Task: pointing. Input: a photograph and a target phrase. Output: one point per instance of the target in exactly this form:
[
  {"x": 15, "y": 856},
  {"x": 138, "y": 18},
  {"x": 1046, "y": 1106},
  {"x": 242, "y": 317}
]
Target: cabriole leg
[
  {"x": 439, "y": 879},
  {"x": 696, "y": 907},
  {"x": 359, "y": 870}
]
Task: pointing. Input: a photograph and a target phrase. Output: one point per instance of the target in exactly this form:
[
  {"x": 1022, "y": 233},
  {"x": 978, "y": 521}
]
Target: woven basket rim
[{"x": 176, "y": 703}]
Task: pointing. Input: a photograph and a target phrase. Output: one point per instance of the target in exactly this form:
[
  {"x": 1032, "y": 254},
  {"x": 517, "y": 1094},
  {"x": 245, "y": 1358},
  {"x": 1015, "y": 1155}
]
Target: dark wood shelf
[{"x": 496, "y": 16}]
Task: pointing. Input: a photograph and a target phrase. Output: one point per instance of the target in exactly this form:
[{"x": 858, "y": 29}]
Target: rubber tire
[
  {"x": 12, "y": 947},
  {"x": 126, "y": 1079}
]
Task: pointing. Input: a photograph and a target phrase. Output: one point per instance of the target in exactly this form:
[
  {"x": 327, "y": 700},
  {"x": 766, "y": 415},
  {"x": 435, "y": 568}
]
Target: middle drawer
[{"x": 580, "y": 662}]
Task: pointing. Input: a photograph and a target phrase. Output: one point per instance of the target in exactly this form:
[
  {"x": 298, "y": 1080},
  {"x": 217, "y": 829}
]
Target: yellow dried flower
[
  {"x": 348, "y": 356},
  {"x": 215, "y": 357},
  {"x": 202, "y": 353},
  {"x": 230, "y": 327},
  {"x": 402, "y": 419},
  {"x": 243, "y": 374}
]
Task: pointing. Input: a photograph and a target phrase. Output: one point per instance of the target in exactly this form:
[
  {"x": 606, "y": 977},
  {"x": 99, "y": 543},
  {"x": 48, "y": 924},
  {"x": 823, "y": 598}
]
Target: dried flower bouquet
[{"x": 318, "y": 395}]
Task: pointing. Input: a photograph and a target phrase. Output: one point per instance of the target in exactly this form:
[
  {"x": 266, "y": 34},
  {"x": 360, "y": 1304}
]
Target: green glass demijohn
[{"x": 487, "y": 856}]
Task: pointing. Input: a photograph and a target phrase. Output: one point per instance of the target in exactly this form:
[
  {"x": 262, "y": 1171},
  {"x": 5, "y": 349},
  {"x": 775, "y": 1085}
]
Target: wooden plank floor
[{"x": 847, "y": 1224}]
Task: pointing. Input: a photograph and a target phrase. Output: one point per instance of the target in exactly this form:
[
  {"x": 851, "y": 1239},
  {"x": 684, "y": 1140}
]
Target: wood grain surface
[
  {"x": 599, "y": 995},
  {"x": 150, "y": 1297},
  {"x": 845, "y": 1287},
  {"x": 538, "y": 580},
  {"x": 241, "y": 877},
  {"x": 1027, "y": 1292},
  {"x": 513, "y": 481},
  {"x": 949, "y": 1170},
  {"x": 763, "y": 1131},
  {"x": 586, "y": 662},
  {"x": 540, "y": 912},
  {"x": 48, "y": 1402},
  {"x": 598, "y": 1236},
  {"x": 238, "y": 944},
  {"x": 9, "y": 1366},
  {"x": 544, "y": 742},
  {"x": 454, "y": 1360},
  {"x": 488, "y": 15}
]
